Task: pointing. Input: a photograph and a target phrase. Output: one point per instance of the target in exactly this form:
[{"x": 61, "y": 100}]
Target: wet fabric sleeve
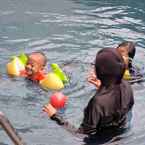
[
  {"x": 65, "y": 124},
  {"x": 89, "y": 124}
]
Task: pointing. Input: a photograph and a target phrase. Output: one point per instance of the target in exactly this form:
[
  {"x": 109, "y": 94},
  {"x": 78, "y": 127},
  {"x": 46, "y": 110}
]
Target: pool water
[{"x": 69, "y": 32}]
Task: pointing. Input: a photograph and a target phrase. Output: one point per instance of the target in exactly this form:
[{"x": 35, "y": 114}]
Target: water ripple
[{"x": 69, "y": 34}]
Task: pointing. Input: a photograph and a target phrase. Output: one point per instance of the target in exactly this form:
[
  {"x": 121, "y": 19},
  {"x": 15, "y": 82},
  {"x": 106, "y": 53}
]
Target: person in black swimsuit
[{"x": 110, "y": 105}]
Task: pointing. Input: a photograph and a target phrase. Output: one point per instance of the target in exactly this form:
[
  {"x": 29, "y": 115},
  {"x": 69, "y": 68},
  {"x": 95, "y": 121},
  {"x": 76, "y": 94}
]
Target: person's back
[{"x": 114, "y": 102}]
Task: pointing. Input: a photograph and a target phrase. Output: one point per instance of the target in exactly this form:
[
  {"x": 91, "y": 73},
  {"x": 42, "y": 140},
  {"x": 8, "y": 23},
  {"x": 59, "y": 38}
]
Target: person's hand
[
  {"x": 93, "y": 80},
  {"x": 49, "y": 109}
]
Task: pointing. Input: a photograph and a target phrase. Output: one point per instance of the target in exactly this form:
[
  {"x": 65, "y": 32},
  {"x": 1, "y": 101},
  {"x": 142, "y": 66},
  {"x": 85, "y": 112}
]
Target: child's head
[
  {"x": 36, "y": 62},
  {"x": 127, "y": 51},
  {"x": 109, "y": 67}
]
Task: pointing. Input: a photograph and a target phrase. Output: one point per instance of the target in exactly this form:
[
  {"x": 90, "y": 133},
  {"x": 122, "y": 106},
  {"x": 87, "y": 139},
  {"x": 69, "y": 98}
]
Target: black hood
[{"x": 109, "y": 66}]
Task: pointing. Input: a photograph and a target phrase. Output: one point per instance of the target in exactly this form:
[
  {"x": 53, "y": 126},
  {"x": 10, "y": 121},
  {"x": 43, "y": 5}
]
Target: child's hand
[
  {"x": 93, "y": 80},
  {"x": 49, "y": 109}
]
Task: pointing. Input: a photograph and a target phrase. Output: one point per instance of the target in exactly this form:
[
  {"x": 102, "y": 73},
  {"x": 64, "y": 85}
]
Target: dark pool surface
[{"x": 69, "y": 32}]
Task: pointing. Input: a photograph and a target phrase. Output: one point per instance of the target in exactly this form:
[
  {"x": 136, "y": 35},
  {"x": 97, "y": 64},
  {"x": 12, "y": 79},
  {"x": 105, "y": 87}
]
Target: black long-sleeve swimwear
[{"x": 107, "y": 108}]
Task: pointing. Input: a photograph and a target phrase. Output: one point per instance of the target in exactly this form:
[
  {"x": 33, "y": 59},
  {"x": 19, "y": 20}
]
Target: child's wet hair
[{"x": 131, "y": 47}]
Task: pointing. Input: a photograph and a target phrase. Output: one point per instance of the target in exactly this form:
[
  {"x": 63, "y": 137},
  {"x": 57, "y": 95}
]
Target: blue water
[{"x": 69, "y": 32}]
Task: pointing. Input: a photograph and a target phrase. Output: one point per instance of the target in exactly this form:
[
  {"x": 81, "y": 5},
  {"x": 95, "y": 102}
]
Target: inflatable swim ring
[
  {"x": 51, "y": 81},
  {"x": 23, "y": 58},
  {"x": 57, "y": 70},
  {"x": 127, "y": 75},
  {"x": 15, "y": 67}
]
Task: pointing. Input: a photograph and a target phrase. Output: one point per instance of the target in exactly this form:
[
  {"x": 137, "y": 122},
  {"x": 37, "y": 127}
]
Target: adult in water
[{"x": 110, "y": 105}]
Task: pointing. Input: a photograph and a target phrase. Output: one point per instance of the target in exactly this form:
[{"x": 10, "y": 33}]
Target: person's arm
[
  {"x": 52, "y": 113},
  {"x": 90, "y": 121}
]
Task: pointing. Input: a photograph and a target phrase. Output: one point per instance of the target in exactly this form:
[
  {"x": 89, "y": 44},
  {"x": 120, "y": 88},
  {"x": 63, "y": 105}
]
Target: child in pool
[
  {"x": 127, "y": 50},
  {"x": 113, "y": 100},
  {"x": 35, "y": 66}
]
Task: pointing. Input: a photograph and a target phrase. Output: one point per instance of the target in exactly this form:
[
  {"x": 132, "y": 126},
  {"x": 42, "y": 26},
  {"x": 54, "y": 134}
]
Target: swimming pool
[{"x": 69, "y": 32}]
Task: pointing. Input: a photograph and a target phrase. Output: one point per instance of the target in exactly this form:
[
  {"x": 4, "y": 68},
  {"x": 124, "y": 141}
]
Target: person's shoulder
[
  {"x": 102, "y": 97},
  {"x": 125, "y": 83},
  {"x": 126, "y": 88}
]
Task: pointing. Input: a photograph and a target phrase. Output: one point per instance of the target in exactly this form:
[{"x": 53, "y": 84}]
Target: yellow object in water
[
  {"x": 52, "y": 81},
  {"x": 127, "y": 75},
  {"x": 15, "y": 66}
]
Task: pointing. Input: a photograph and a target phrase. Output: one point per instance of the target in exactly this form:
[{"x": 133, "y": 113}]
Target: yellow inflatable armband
[
  {"x": 15, "y": 66},
  {"x": 57, "y": 70},
  {"x": 51, "y": 81},
  {"x": 23, "y": 58},
  {"x": 127, "y": 75}
]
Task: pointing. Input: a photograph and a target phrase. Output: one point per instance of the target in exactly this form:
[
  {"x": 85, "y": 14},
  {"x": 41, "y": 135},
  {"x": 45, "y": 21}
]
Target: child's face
[
  {"x": 124, "y": 53},
  {"x": 35, "y": 64},
  {"x": 32, "y": 67}
]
